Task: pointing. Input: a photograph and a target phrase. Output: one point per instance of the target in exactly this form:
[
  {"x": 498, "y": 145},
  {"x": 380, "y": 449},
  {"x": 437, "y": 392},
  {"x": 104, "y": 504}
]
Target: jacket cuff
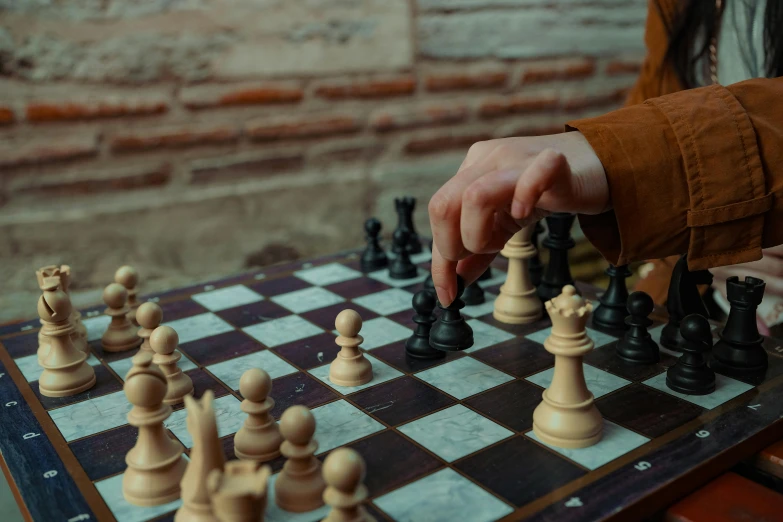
[{"x": 684, "y": 175}]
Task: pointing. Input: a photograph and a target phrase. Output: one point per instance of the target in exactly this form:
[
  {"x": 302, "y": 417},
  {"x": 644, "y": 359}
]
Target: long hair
[{"x": 695, "y": 26}]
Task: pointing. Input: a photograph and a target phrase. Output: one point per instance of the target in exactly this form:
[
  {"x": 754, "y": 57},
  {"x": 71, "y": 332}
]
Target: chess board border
[{"x": 659, "y": 477}]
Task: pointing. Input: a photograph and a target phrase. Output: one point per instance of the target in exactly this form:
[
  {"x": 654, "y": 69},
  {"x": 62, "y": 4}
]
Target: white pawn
[
  {"x": 149, "y": 316},
  {"x": 259, "y": 438},
  {"x": 121, "y": 334},
  {"x": 299, "y": 486},
  {"x": 164, "y": 341},
  {"x": 128, "y": 277},
  {"x": 350, "y": 367},
  {"x": 343, "y": 473}
]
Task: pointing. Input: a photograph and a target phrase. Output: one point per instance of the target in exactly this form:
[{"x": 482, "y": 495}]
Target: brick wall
[{"x": 194, "y": 138}]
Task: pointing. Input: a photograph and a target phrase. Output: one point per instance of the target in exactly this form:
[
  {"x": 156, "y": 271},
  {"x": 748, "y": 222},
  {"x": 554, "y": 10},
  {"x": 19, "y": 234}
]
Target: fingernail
[
  {"x": 518, "y": 210},
  {"x": 443, "y": 296}
]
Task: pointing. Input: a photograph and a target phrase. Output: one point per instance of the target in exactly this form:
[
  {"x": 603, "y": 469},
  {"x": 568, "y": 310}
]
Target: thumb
[{"x": 548, "y": 167}]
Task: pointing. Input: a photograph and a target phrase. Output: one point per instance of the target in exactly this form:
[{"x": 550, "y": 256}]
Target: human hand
[{"x": 501, "y": 186}]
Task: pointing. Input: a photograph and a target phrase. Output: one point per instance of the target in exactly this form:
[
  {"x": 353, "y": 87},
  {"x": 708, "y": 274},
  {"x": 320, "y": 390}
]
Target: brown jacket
[{"x": 697, "y": 171}]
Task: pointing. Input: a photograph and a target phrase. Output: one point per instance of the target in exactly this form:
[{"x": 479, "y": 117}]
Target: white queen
[{"x": 567, "y": 416}]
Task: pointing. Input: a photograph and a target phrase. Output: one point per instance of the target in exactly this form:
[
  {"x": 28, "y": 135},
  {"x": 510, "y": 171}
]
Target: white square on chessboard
[
  {"x": 726, "y": 389},
  {"x": 32, "y": 370},
  {"x": 599, "y": 382},
  {"x": 443, "y": 496},
  {"x": 199, "y": 326},
  {"x": 111, "y": 491},
  {"x": 464, "y": 377},
  {"x": 383, "y": 277},
  {"x": 227, "y": 412},
  {"x": 122, "y": 366},
  {"x": 599, "y": 338},
  {"x": 339, "y": 423},
  {"x": 307, "y": 299},
  {"x": 230, "y": 371},
  {"x": 281, "y": 331},
  {"x": 381, "y": 372},
  {"x": 387, "y": 302},
  {"x": 485, "y": 335},
  {"x": 380, "y": 332},
  {"x": 455, "y": 432},
  {"x": 96, "y": 326},
  {"x": 328, "y": 274},
  {"x": 615, "y": 442},
  {"x": 225, "y": 298},
  {"x": 92, "y": 416},
  {"x": 487, "y": 307},
  {"x": 275, "y": 514}
]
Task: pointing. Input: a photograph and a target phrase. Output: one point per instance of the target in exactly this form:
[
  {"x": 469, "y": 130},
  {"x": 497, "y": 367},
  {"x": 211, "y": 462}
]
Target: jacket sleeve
[{"x": 697, "y": 172}]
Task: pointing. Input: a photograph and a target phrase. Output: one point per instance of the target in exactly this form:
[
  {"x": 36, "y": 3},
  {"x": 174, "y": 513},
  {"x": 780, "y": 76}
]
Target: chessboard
[{"x": 443, "y": 440}]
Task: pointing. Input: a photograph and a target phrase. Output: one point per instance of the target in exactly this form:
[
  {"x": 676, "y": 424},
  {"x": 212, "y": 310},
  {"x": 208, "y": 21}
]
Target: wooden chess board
[{"x": 443, "y": 440}]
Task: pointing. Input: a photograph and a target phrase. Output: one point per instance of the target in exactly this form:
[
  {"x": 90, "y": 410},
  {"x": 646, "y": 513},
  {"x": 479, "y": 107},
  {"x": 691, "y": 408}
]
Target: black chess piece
[
  {"x": 427, "y": 284},
  {"x": 610, "y": 314},
  {"x": 405, "y": 207},
  {"x": 373, "y": 258},
  {"x": 450, "y": 332},
  {"x": 473, "y": 295},
  {"x": 402, "y": 267},
  {"x": 739, "y": 350},
  {"x": 559, "y": 242},
  {"x": 690, "y": 374},
  {"x": 637, "y": 345},
  {"x": 534, "y": 266},
  {"x": 682, "y": 300},
  {"x": 418, "y": 345},
  {"x": 486, "y": 275}
]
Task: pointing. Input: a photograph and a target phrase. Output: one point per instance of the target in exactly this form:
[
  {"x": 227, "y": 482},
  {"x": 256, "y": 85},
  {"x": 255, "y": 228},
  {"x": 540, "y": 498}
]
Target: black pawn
[
  {"x": 690, "y": 374},
  {"x": 637, "y": 345},
  {"x": 559, "y": 242},
  {"x": 418, "y": 345},
  {"x": 401, "y": 267},
  {"x": 486, "y": 275},
  {"x": 739, "y": 351},
  {"x": 405, "y": 207},
  {"x": 682, "y": 300},
  {"x": 373, "y": 257},
  {"x": 473, "y": 294},
  {"x": 610, "y": 314},
  {"x": 451, "y": 333},
  {"x": 535, "y": 267}
]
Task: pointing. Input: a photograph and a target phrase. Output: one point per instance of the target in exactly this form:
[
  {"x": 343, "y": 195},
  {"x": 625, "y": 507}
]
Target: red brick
[
  {"x": 201, "y": 97},
  {"x": 150, "y": 177},
  {"x": 379, "y": 88},
  {"x": 444, "y": 142},
  {"x": 50, "y": 150},
  {"x": 173, "y": 138},
  {"x": 619, "y": 67},
  {"x": 88, "y": 110},
  {"x": 494, "y": 107},
  {"x": 6, "y": 116},
  {"x": 263, "y": 129},
  {"x": 406, "y": 117},
  {"x": 595, "y": 100},
  {"x": 246, "y": 166},
  {"x": 558, "y": 71},
  {"x": 363, "y": 149},
  {"x": 466, "y": 81}
]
